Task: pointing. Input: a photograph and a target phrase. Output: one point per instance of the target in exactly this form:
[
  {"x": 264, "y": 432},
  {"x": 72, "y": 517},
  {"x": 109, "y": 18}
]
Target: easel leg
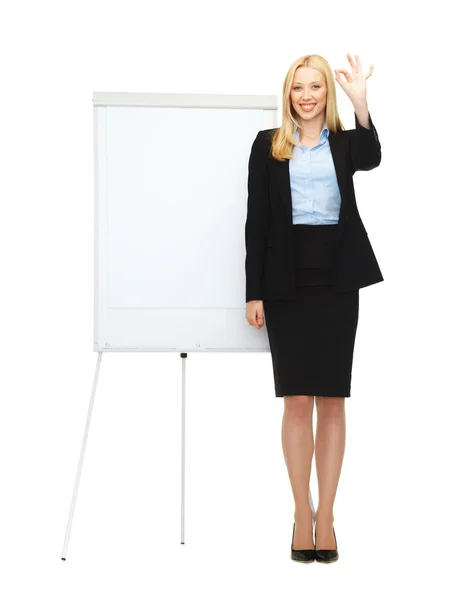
[
  {"x": 311, "y": 504},
  {"x": 183, "y": 356},
  {"x": 80, "y": 463}
]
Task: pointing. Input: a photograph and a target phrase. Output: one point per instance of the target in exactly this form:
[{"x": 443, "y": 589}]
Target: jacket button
[{"x": 346, "y": 218}]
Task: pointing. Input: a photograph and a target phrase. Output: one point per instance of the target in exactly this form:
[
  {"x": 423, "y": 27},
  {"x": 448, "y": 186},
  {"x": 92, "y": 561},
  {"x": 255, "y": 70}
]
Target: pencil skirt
[{"x": 312, "y": 337}]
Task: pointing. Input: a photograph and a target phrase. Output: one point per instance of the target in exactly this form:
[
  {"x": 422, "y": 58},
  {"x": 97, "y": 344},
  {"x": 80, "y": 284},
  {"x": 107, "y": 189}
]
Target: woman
[{"x": 308, "y": 254}]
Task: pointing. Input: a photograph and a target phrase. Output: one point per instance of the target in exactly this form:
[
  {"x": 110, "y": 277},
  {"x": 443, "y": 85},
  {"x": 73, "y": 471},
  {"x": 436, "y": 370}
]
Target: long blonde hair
[{"x": 283, "y": 139}]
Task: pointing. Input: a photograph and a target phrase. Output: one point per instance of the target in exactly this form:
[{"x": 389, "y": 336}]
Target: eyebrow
[{"x": 299, "y": 82}]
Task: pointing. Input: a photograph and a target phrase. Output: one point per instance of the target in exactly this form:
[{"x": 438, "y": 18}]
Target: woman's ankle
[
  {"x": 325, "y": 514},
  {"x": 303, "y": 513}
]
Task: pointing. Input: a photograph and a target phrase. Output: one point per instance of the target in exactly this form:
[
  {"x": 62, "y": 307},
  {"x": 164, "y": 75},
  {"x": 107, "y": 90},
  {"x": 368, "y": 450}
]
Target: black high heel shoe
[
  {"x": 327, "y": 556},
  {"x": 305, "y": 556}
]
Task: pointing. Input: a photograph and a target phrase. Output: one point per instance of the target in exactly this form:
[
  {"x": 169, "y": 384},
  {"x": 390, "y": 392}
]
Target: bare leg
[
  {"x": 298, "y": 448},
  {"x": 329, "y": 453}
]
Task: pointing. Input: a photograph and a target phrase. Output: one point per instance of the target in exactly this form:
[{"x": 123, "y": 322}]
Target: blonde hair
[{"x": 283, "y": 139}]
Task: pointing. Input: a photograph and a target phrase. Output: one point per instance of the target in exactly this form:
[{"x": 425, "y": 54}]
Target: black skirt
[{"x": 312, "y": 337}]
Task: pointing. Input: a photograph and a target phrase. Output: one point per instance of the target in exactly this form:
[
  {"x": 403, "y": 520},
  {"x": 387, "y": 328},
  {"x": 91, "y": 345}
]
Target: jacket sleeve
[
  {"x": 365, "y": 147},
  {"x": 257, "y": 222}
]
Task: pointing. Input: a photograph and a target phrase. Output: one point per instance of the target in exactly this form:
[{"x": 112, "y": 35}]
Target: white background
[{"x": 395, "y": 509}]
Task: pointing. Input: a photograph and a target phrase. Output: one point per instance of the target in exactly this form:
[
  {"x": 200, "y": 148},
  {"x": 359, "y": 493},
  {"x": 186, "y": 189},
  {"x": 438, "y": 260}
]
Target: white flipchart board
[{"x": 170, "y": 208}]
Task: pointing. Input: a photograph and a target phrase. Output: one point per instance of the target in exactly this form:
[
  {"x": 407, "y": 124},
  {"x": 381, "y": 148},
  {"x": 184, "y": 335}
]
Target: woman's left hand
[{"x": 355, "y": 86}]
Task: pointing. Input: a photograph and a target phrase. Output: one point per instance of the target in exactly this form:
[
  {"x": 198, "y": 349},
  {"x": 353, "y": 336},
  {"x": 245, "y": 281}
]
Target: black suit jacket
[{"x": 270, "y": 259}]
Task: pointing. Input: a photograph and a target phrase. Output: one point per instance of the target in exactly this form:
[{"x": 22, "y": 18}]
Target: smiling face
[{"x": 309, "y": 87}]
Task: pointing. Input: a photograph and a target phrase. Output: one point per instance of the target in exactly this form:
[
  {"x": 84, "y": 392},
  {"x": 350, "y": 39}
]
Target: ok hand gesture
[{"x": 355, "y": 85}]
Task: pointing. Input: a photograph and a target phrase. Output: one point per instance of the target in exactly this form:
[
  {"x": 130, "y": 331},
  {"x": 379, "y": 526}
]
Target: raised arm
[{"x": 365, "y": 146}]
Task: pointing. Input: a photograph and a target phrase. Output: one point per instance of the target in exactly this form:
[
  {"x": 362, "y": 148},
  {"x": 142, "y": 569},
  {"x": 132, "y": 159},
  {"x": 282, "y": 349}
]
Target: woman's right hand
[{"x": 254, "y": 314}]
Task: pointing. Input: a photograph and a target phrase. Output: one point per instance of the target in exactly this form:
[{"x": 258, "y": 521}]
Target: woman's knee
[
  {"x": 329, "y": 404},
  {"x": 299, "y": 404}
]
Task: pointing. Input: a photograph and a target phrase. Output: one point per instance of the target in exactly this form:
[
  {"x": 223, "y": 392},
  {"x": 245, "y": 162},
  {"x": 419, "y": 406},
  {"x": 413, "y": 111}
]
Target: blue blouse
[{"x": 316, "y": 199}]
